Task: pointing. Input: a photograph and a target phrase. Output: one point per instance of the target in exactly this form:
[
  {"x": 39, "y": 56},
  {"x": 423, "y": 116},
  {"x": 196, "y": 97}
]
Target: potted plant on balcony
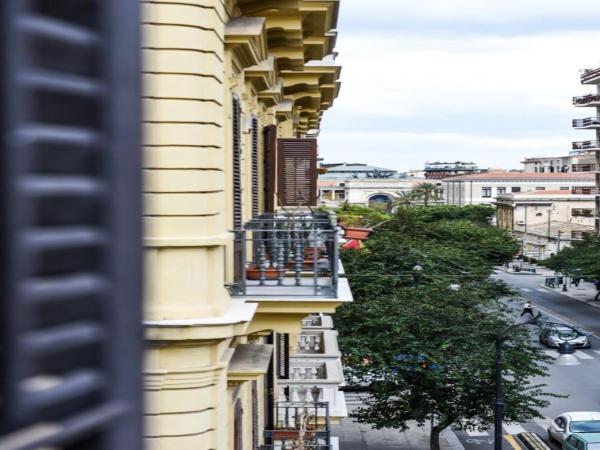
[
  {"x": 253, "y": 272},
  {"x": 358, "y": 221}
]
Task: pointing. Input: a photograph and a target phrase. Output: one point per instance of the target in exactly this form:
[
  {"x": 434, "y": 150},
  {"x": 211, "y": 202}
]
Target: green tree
[
  {"x": 403, "y": 200},
  {"x": 427, "y": 351},
  {"x": 427, "y": 192},
  {"x": 582, "y": 259}
]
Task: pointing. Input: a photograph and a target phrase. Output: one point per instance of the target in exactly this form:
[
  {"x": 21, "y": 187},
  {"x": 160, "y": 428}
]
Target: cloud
[{"x": 403, "y": 151}]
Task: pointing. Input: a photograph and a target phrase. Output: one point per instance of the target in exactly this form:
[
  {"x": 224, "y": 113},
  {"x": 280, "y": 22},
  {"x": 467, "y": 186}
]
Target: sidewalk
[{"x": 584, "y": 293}]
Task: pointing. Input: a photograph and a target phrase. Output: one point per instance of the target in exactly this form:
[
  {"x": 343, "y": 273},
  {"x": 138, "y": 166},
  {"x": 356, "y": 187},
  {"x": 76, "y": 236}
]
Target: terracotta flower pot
[
  {"x": 357, "y": 233},
  {"x": 253, "y": 273}
]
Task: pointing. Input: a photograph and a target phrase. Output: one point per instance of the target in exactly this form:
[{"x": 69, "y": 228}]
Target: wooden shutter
[
  {"x": 270, "y": 166},
  {"x": 237, "y": 164},
  {"x": 297, "y": 172},
  {"x": 255, "y": 163},
  {"x": 283, "y": 356},
  {"x": 70, "y": 323},
  {"x": 238, "y": 426}
]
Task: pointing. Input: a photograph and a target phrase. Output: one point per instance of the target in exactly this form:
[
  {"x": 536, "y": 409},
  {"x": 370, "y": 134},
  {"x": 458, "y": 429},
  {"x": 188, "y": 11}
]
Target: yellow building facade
[{"x": 225, "y": 82}]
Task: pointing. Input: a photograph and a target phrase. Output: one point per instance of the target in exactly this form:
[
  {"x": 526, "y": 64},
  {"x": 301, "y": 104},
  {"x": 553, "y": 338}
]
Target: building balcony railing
[
  {"x": 302, "y": 424},
  {"x": 590, "y": 75},
  {"x": 584, "y": 145},
  {"x": 317, "y": 321},
  {"x": 287, "y": 255},
  {"x": 584, "y": 167},
  {"x": 585, "y": 100},
  {"x": 589, "y": 122},
  {"x": 317, "y": 343}
]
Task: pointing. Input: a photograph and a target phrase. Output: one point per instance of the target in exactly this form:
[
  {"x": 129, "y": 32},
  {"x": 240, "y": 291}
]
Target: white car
[{"x": 573, "y": 422}]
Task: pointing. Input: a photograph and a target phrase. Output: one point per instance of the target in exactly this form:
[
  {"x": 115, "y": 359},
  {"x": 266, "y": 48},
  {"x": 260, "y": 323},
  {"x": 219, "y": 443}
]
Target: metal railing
[
  {"x": 584, "y": 167},
  {"x": 590, "y": 74},
  {"x": 586, "y": 99},
  {"x": 584, "y": 190},
  {"x": 584, "y": 145},
  {"x": 587, "y": 122},
  {"x": 299, "y": 425},
  {"x": 288, "y": 254}
]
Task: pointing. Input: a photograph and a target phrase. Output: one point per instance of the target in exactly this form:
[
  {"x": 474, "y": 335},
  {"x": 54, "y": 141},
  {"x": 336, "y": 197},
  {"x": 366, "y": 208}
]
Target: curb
[
  {"x": 518, "y": 273},
  {"x": 592, "y": 303}
]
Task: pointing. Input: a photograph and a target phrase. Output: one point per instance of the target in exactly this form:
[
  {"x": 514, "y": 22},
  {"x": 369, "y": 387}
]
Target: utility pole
[
  {"x": 558, "y": 241},
  {"x": 549, "y": 212}
]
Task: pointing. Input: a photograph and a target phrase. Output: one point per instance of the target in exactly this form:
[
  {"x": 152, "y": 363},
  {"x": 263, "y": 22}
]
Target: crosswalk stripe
[
  {"x": 475, "y": 433},
  {"x": 513, "y": 428},
  {"x": 525, "y": 289},
  {"x": 543, "y": 422},
  {"x": 552, "y": 353},
  {"x": 596, "y": 351},
  {"x": 541, "y": 290},
  {"x": 582, "y": 355}
]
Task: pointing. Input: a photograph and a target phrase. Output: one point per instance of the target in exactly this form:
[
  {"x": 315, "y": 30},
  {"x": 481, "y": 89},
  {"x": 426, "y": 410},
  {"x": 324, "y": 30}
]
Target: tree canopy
[
  {"x": 582, "y": 259},
  {"x": 423, "y": 340}
]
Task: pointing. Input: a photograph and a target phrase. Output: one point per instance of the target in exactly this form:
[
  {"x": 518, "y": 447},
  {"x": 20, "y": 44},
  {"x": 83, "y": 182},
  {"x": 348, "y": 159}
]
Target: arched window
[{"x": 379, "y": 200}]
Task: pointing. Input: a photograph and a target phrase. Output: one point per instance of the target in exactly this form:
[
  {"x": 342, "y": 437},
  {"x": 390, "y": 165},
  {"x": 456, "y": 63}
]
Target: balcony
[
  {"x": 591, "y": 76},
  {"x": 317, "y": 322},
  {"x": 318, "y": 378},
  {"x": 584, "y": 168},
  {"x": 299, "y": 425},
  {"x": 582, "y": 147},
  {"x": 288, "y": 255},
  {"x": 587, "y": 100},
  {"x": 587, "y": 123}
]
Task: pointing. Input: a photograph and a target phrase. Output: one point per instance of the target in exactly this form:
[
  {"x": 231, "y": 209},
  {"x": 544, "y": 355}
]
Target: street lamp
[
  {"x": 565, "y": 358},
  {"x": 454, "y": 286},
  {"x": 417, "y": 271}
]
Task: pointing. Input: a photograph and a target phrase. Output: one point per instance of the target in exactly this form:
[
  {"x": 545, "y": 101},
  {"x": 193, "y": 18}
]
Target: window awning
[{"x": 249, "y": 361}]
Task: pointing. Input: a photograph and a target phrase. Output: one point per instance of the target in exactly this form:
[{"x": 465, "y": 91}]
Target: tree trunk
[{"x": 434, "y": 438}]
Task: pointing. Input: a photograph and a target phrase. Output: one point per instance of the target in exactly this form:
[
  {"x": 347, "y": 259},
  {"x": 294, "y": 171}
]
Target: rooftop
[{"x": 521, "y": 176}]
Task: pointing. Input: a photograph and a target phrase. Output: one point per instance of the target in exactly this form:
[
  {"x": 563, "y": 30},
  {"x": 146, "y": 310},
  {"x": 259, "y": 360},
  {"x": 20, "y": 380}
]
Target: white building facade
[{"x": 483, "y": 188}]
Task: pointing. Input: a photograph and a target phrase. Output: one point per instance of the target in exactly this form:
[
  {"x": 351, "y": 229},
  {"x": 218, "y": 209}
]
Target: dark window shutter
[
  {"x": 70, "y": 323},
  {"x": 237, "y": 164},
  {"x": 283, "y": 356},
  {"x": 270, "y": 166},
  {"x": 238, "y": 426},
  {"x": 297, "y": 172},
  {"x": 255, "y": 162}
]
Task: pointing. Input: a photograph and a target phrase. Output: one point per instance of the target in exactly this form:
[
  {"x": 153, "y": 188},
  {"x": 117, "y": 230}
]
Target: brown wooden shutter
[
  {"x": 270, "y": 166},
  {"x": 255, "y": 184},
  {"x": 297, "y": 172},
  {"x": 237, "y": 164}
]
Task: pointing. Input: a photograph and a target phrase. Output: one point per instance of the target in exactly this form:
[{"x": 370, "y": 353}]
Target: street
[{"x": 580, "y": 383}]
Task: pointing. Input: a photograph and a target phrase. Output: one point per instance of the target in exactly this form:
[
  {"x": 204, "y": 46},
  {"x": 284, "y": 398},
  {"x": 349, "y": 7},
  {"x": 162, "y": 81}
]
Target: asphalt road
[{"x": 581, "y": 383}]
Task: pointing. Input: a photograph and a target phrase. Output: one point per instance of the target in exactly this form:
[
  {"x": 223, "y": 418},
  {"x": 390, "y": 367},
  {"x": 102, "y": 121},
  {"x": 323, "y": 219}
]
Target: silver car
[
  {"x": 573, "y": 422},
  {"x": 553, "y": 334}
]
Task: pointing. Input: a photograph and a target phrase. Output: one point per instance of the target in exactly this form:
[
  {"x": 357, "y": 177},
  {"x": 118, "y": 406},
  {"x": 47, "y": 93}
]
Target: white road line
[
  {"x": 475, "y": 433},
  {"x": 543, "y": 422},
  {"x": 582, "y": 355},
  {"x": 525, "y": 289},
  {"x": 513, "y": 428},
  {"x": 596, "y": 351},
  {"x": 541, "y": 290},
  {"x": 552, "y": 353}
]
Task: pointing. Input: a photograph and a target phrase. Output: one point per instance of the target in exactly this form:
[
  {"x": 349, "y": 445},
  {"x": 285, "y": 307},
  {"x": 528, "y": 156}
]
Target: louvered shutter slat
[
  {"x": 70, "y": 322},
  {"x": 237, "y": 165},
  {"x": 297, "y": 172},
  {"x": 255, "y": 182}
]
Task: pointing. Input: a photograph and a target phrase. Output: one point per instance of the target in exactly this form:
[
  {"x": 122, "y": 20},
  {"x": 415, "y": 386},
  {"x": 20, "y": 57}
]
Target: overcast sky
[{"x": 488, "y": 81}]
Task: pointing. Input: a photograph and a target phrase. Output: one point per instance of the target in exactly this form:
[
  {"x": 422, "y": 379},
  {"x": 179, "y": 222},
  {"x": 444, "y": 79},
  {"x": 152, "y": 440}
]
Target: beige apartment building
[{"x": 240, "y": 274}]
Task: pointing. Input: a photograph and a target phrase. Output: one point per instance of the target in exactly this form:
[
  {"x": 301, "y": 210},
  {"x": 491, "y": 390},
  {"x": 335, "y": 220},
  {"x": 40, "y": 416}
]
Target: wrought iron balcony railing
[
  {"x": 590, "y": 74},
  {"x": 584, "y": 145},
  {"x": 586, "y": 99},
  {"x": 287, "y": 255},
  {"x": 585, "y": 190},
  {"x": 299, "y": 425},
  {"x": 584, "y": 167},
  {"x": 587, "y": 122}
]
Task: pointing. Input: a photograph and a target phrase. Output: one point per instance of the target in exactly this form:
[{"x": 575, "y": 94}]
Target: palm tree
[
  {"x": 426, "y": 192},
  {"x": 404, "y": 200}
]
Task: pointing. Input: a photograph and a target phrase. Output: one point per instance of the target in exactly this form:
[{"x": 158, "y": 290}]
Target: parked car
[
  {"x": 574, "y": 422},
  {"x": 586, "y": 441},
  {"x": 553, "y": 334}
]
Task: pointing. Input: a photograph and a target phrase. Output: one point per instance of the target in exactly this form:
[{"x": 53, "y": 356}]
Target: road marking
[
  {"x": 513, "y": 428},
  {"x": 543, "y": 422},
  {"x": 476, "y": 433},
  {"x": 541, "y": 290},
  {"x": 596, "y": 351},
  {"x": 513, "y": 442},
  {"x": 582, "y": 355},
  {"x": 452, "y": 439},
  {"x": 525, "y": 289},
  {"x": 551, "y": 353}
]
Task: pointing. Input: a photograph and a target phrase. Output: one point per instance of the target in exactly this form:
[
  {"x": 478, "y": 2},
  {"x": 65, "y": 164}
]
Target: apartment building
[
  {"x": 239, "y": 275},
  {"x": 440, "y": 170},
  {"x": 234, "y": 94},
  {"x": 590, "y": 149},
  {"x": 483, "y": 188},
  {"x": 546, "y": 221}
]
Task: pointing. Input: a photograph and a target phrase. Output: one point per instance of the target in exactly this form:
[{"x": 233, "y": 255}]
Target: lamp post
[
  {"x": 417, "y": 271},
  {"x": 565, "y": 358}
]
